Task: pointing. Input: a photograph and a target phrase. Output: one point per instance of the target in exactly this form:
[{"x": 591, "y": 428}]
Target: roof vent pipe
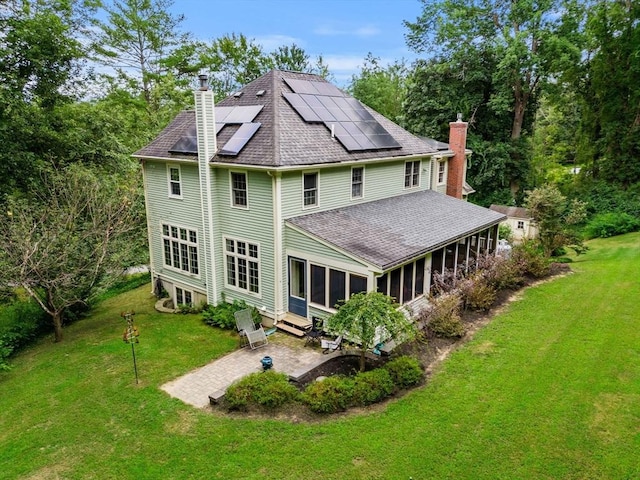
[
  {"x": 203, "y": 78},
  {"x": 333, "y": 134}
]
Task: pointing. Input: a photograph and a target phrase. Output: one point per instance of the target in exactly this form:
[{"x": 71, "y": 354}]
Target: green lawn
[{"x": 550, "y": 389}]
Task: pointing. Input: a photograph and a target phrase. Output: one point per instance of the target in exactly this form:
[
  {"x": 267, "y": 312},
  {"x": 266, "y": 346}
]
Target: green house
[{"x": 292, "y": 195}]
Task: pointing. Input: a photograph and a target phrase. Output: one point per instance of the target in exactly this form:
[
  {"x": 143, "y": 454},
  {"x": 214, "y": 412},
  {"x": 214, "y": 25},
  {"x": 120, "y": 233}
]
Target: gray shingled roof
[
  {"x": 513, "y": 212},
  {"x": 391, "y": 231},
  {"x": 284, "y": 139}
]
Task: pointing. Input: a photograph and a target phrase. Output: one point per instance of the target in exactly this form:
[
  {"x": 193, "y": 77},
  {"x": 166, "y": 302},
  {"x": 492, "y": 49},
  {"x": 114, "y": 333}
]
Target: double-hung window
[
  {"x": 239, "y": 196},
  {"x": 412, "y": 174},
  {"x": 310, "y": 189},
  {"x": 180, "y": 248},
  {"x": 242, "y": 265},
  {"x": 357, "y": 182},
  {"x": 175, "y": 181},
  {"x": 442, "y": 171}
]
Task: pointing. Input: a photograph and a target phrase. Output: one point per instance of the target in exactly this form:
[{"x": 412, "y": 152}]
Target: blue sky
[{"x": 342, "y": 31}]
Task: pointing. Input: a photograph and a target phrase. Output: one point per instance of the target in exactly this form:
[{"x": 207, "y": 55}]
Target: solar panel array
[
  {"x": 237, "y": 115},
  {"x": 348, "y": 120}
]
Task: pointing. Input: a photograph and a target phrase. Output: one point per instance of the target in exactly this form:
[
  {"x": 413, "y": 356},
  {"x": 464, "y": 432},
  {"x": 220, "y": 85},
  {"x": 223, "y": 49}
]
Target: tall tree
[
  {"x": 292, "y": 57},
  {"x": 608, "y": 89},
  {"x": 532, "y": 40},
  {"x": 141, "y": 41},
  {"x": 40, "y": 57},
  {"x": 382, "y": 88},
  {"x": 61, "y": 245}
]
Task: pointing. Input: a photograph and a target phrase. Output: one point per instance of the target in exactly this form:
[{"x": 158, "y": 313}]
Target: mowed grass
[{"x": 550, "y": 389}]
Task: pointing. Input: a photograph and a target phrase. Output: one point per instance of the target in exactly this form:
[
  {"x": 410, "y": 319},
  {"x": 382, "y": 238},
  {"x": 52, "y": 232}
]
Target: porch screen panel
[
  {"x": 337, "y": 287},
  {"x": 407, "y": 283},
  {"x": 420, "y": 276},
  {"x": 357, "y": 284},
  {"x": 394, "y": 284},
  {"x": 318, "y": 285},
  {"x": 382, "y": 283},
  {"x": 436, "y": 263}
]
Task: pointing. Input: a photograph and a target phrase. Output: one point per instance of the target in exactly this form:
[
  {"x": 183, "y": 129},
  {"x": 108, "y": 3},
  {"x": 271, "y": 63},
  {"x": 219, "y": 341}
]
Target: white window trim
[
  {"x": 231, "y": 196},
  {"x": 445, "y": 172},
  {"x": 184, "y": 290},
  {"x": 236, "y": 288},
  {"x": 317, "y": 204},
  {"x": 361, "y": 183},
  {"x": 327, "y": 283},
  {"x": 404, "y": 173},
  {"x": 187, "y": 242},
  {"x": 169, "y": 181}
]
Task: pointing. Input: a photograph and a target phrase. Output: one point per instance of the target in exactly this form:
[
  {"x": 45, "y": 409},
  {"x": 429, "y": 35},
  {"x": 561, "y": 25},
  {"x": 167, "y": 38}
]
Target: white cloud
[
  {"x": 363, "y": 31},
  {"x": 272, "y": 42}
]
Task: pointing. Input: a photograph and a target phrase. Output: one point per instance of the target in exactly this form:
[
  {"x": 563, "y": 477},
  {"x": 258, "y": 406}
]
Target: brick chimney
[{"x": 456, "y": 174}]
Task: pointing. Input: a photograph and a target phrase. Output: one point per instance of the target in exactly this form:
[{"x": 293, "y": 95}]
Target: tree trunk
[
  {"x": 57, "y": 326},
  {"x": 362, "y": 359}
]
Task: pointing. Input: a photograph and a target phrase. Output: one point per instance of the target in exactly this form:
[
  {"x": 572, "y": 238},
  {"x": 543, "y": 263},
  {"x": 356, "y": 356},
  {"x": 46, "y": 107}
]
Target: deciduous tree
[
  {"x": 368, "y": 318},
  {"x": 61, "y": 245}
]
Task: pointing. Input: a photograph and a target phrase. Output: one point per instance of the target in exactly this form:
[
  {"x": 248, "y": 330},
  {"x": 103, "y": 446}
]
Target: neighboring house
[
  {"x": 519, "y": 221},
  {"x": 292, "y": 195}
]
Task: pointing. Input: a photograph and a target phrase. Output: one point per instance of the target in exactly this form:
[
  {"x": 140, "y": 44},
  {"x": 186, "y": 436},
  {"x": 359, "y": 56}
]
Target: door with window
[{"x": 298, "y": 286}]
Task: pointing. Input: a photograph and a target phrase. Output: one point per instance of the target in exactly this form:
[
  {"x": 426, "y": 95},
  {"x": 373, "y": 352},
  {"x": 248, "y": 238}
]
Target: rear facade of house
[{"x": 291, "y": 195}]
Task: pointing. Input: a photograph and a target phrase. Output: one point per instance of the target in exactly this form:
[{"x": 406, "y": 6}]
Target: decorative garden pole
[{"x": 131, "y": 335}]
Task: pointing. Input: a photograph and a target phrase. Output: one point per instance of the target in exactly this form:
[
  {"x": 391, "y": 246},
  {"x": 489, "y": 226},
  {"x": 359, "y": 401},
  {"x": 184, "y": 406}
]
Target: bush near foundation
[
  {"x": 405, "y": 371},
  {"x": 371, "y": 387},
  {"x": 261, "y": 389},
  {"x": 442, "y": 318},
  {"x": 330, "y": 395}
]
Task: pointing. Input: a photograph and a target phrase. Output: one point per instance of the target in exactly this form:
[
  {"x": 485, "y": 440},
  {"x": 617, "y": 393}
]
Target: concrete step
[{"x": 290, "y": 329}]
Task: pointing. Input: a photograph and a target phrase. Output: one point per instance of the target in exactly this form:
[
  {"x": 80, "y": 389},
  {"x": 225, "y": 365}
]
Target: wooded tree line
[{"x": 544, "y": 84}]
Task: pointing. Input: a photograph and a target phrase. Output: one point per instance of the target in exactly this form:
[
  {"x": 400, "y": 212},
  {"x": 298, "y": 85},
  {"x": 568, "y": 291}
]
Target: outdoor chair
[
  {"x": 248, "y": 330},
  {"x": 331, "y": 345},
  {"x": 315, "y": 334}
]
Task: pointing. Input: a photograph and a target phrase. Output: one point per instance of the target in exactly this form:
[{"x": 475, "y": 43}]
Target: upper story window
[
  {"x": 357, "y": 182},
  {"x": 180, "y": 248},
  {"x": 242, "y": 265},
  {"x": 442, "y": 171},
  {"x": 412, "y": 174},
  {"x": 239, "y": 197},
  {"x": 310, "y": 189},
  {"x": 175, "y": 181}
]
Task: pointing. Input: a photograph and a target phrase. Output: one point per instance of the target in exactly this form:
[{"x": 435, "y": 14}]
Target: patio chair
[
  {"x": 331, "y": 345},
  {"x": 248, "y": 330},
  {"x": 315, "y": 334}
]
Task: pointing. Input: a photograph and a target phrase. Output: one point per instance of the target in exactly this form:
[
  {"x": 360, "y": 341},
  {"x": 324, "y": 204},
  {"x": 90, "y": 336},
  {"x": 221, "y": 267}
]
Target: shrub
[
  {"x": 405, "y": 371},
  {"x": 477, "y": 293},
  {"x": 222, "y": 315},
  {"x": 185, "y": 309},
  {"x": 530, "y": 260},
  {"x": 500, "y": 272},
  {"x": 21, "y": 323},
  {"x": 268, "y": 389},
  {"x": 442, "y": 318},
  {"x": 371, "y": 387},
  {"x": 606, "y": 225},
  {"x": 330, "y": 395}
]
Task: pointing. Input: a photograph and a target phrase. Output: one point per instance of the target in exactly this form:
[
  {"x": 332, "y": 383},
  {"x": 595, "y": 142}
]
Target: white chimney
[{"x": 207, "y": 147}]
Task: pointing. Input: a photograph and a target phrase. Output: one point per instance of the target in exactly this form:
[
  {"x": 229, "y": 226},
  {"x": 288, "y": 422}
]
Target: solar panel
[
  {"x": 187, "y": 143},
  {"x": 300, "y": 106},
  {"x": 243, "y": 114},
  {"x": 239, "y": 139},
  {"x": 222, "y": 113},
  {"x": 351, "y": 123}
]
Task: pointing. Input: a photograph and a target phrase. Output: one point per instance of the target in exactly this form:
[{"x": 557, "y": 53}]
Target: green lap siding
[
  {"x": 253, "y": 224},
  {"x": 182, "y": 212}
]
